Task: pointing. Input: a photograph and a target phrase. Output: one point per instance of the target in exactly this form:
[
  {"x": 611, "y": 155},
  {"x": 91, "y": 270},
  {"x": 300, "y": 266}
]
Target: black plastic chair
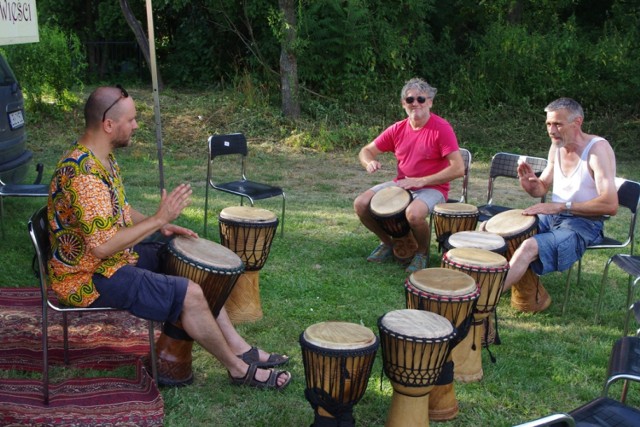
[
  {"x": 38, "y": 231},
  {"x": 629, "y": 198},
  {"x": 605, "y": 411},
  {"x": 631, "y": 265},
  {"x": 236, "y": 144},
  {"x": 505, "y": 165},
  {"x": 22, "y": 190}
]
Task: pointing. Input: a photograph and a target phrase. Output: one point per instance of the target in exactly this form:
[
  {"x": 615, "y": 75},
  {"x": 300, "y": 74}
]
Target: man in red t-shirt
[{"x": 428, "y": 156}]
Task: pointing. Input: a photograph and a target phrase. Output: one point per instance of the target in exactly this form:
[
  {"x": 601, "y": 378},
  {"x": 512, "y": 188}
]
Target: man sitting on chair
[
  {"x": 582, "y": 169},
  {"x": 99, "y": 259},
  {"x": 428, "y": 156}
]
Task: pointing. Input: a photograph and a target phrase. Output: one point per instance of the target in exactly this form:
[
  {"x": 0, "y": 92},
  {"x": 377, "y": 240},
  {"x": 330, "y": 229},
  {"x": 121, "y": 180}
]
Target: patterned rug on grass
[
  {"x": 97, "y": 341},
  {"x": 83, "y": 402}
]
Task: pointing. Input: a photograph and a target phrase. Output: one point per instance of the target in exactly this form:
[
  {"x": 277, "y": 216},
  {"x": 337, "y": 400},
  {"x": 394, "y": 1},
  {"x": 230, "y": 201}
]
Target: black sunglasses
[
  {"x": 123, "y": 94},
  {"x": 410, "y": 99}
]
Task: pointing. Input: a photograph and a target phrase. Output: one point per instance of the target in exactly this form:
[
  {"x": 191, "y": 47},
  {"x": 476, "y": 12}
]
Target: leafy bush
[
  {"x": 515, "y": 65},
  {"x": 50, "y": 69}
]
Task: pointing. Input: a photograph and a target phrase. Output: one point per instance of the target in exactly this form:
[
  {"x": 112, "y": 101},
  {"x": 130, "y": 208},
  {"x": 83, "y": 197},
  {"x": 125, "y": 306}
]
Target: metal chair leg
[
  {"x": 566, "y": 290},
  {"x": 65, "y": 335},
  {"x": 2, "y": 215},
  {"x": 568, "y": 284},
  {"x": 283, "y": 203},
  {"x": 45, "y": 355},
  {"x": 605, "y": 274},
  {"x": 153, "y": 359}
]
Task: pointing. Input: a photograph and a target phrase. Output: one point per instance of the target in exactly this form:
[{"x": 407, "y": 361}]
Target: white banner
[{"x": 18, "y": 22}]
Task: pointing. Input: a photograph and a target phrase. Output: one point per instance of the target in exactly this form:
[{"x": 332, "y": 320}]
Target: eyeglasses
[
  {"x": 410, "y": 99},
  {"x": 123, "y": 94}
]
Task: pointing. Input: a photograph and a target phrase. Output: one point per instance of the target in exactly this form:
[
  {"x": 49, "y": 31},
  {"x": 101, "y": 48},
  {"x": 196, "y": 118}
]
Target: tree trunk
[
  {"x": 141, "y": 37},
  {"x": 289, "y": 62}
]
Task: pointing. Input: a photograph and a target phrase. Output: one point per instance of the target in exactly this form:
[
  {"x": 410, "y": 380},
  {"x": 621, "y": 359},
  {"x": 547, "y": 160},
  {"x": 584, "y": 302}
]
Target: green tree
[{"x": 49, "y": 70}]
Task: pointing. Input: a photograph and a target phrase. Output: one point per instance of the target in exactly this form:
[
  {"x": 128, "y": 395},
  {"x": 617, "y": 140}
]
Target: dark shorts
[
  {"x": 562, "y": 240},
  {"x": 142, "y": 289}
]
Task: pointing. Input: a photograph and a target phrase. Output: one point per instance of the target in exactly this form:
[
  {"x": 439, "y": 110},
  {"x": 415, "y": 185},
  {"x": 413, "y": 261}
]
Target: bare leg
[
  {"x": 361, "y": 206},
  {"x": 522, "y": 257},
  {"x": 236, "y": 342},
  {"x": 199, "y": 323},
  {"x": 417, "y": 213}
]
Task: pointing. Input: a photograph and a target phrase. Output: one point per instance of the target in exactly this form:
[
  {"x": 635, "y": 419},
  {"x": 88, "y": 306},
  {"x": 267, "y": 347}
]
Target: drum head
[
  {"x": 247, "y": 214},
  {"x": 476, "y": 239},
  {"x": 418, "y": 324},
  {"x": 443, "y": 281},
  {"x": 510, "y": 223},
  {"x": 390, "y": 201},
  {"x": 473, "y": 257},
  {"x": 454, "y": 208},
  {"x": 339, "y": 335},
  {"x": 205, "y": 254}
]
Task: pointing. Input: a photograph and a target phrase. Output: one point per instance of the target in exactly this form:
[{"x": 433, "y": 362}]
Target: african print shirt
[{"x": 87, "y": 206}]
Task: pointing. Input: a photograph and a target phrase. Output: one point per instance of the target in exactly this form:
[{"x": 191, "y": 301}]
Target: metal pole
[{"x": 156, "y": 95}]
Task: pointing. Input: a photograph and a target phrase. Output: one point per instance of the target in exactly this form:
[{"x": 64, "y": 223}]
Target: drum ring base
[{"x": 168, "y": 382}]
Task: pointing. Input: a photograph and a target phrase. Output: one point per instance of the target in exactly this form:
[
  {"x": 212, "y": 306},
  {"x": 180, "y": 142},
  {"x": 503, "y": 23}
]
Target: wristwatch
[{"x": 567, "y": 207}]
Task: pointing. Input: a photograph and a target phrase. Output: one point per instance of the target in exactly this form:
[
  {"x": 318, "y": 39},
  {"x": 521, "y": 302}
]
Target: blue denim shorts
[
  {"x": 562, "y": 240},
  {"x": 142, "y": 289},
  {"x": 429, "y": 196}
]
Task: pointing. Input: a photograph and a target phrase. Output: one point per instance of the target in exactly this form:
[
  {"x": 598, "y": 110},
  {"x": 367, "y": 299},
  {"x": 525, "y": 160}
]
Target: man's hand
[
  {"x": 409, "y": 183},
  {"x": 528, "y": 179},
  {"x": 373, "y": 166},
  {"x": 550, "y": 208},
  {"x": 172, "y": 204},
  {"x": 172, "y": 229}
]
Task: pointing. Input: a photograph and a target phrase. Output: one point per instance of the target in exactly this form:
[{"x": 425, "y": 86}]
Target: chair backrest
[
  {"x": 506, "y": 165},
  {"x": 629, "y": 197},
  {"x": 628, "y": 194},
  {"x": 624, "y": 362},
  {"x": 220, "y": 145},
  {"x": 39, "y": 233},
  {"x": 466, "y": 158}
]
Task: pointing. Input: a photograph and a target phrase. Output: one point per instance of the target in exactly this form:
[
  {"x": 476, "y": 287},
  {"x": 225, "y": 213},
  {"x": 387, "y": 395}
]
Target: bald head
[{"x": 102, "y": 99}]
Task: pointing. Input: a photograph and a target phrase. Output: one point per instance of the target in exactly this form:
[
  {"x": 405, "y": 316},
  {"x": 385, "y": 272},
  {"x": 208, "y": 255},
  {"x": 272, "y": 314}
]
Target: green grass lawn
[{"x": 317, "y": 272}]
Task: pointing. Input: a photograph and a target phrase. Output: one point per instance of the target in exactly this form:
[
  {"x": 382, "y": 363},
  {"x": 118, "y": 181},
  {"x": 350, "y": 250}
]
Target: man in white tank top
[{"x": 582, "y": 169}]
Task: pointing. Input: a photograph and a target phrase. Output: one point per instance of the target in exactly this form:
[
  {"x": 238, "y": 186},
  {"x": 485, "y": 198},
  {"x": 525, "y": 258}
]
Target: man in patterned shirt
[{"x": 98, "y": 255}]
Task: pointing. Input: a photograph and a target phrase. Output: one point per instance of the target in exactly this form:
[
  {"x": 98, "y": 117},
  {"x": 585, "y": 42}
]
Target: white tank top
[{"x": 579, "y": 186}]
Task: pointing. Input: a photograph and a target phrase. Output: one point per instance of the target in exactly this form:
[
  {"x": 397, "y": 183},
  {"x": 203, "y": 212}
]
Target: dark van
[{"x": 14, "y": 157}]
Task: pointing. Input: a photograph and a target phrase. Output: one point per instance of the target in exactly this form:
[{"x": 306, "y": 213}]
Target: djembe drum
[
  {"x": 415, "y": 345},
  {"x": 450, "y": 218},
  {"x": 248, "y": 231},
  {"x": 528, "y": 294},
  {"x": 451, "y": 294},
  {"x": 477, "y": 239},
  {"x": 388, "y": 208},
  {"x": 338, "y": 358},
  {"x": 216, "y": 269},
  {"x": 489, "y": 270},
  {"x": 490, "y": 242}
]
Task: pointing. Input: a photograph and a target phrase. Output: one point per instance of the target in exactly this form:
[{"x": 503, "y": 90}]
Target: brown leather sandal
[
  {"x": 252, "y": 357},
  {"x": 271, "y": 383}
]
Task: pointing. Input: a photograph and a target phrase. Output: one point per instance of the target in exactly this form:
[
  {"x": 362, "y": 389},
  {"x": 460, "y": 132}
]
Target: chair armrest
[{"x": 551, "y": 420}]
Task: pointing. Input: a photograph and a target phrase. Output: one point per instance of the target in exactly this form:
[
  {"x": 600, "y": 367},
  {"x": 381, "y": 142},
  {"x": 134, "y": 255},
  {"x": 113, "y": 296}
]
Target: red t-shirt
[{"x": 420, "y": 152}]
